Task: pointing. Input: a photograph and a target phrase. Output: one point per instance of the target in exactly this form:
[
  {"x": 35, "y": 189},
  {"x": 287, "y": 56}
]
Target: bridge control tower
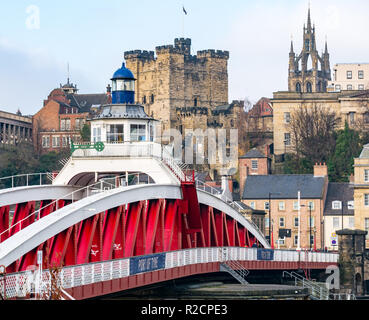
[{"x": 123, "y": 142}]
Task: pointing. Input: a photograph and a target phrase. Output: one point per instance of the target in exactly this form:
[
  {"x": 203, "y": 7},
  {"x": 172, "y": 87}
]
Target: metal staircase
[
  {"x": 236, "y": 270},
  {"x": 318, "y": 291}
]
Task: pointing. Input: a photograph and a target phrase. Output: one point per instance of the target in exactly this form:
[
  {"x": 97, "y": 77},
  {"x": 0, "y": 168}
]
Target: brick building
[
  {"x": 62, "y": 117},
  {"x": 278, "y": 194}
]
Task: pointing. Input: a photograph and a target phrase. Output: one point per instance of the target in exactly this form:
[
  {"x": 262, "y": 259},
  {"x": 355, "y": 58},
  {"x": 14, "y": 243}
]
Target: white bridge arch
[{"x": 37, "y": 233}]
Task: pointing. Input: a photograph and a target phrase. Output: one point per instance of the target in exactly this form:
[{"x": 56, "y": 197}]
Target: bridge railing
[
  {"x": 20, "y": 284},
  {"x": 26, "y": 180},
  {"x": 104, "y": 185}
]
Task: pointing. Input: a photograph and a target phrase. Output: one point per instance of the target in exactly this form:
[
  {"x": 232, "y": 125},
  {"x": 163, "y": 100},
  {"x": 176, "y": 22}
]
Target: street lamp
[{"x": 270, "y": 216}]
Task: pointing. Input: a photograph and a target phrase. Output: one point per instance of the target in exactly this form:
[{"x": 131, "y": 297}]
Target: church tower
[{"x": 309, "y": 72}]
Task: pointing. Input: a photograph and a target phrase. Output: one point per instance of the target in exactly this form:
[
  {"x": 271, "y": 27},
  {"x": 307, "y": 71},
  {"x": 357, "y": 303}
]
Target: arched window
[
  {"x": 152, "y": 98},
  {"x": 309, "y": 87},
  {"x": 298, "y": 87},
  {"x": 144, "y": 100},
  {"x": 195, "y": 102},
  {"x": 309, "y": 63}
]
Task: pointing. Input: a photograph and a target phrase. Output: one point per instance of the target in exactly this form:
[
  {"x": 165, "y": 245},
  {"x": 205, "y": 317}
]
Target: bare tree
[{"x": 313, "y": 132}]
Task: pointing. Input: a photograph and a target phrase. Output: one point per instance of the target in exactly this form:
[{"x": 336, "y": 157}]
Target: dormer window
[{"x": 336, "y": 205}]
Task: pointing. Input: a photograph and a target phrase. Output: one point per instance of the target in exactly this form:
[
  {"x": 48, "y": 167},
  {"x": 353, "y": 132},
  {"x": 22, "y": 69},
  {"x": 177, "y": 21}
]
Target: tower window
[
  {"x": 195, "y": 102},
  {"x": 307, "y": 45},
  {"x": 152, "y": 98},
  {"x": 144, "y": 100},
  {"x": 298, "y": 87},
  {"x": 309, "y": 87}
]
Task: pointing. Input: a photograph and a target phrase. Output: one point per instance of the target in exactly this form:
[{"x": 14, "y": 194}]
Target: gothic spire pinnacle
[{"x": 309, "y": 20}]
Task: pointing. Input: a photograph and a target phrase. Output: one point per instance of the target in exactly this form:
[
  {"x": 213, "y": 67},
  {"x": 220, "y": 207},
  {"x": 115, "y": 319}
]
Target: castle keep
[{"x": 179, "y": 89}]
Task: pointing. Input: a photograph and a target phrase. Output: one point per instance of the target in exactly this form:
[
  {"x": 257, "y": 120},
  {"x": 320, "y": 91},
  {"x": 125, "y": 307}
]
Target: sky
[{"x": 39, "y": 38}]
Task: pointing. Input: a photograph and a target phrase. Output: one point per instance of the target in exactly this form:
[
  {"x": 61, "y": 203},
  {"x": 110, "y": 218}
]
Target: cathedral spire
[{"x": 309, "y": 20}]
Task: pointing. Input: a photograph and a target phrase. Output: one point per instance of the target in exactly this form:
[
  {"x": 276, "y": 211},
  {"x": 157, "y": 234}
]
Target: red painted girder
[
  {"x": 132, "y": 223},
  {"x": 22, "y": 210},
  {"x": 113, "y": 222},
  {"x": 169, "y": 224},
  {"x": 206, "y": 228},
  {"x": 231, "y": 225},
  {"x": 85, "y": 238},
  {"x": 152, "y": 223}
]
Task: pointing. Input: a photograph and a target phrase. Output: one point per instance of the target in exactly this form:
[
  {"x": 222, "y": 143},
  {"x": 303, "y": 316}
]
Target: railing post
[
  {"x": 40, "y": 179},
  {"x": 13, "y": 182}
]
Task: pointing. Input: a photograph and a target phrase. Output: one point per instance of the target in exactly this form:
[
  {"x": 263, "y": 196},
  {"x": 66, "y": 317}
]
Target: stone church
[{"x": 309, "y": 72}]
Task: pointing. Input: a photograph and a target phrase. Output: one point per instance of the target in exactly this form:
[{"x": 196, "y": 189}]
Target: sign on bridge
[
  {"x": 147, "y": 263},
  {"x": 265, "y": 254}
]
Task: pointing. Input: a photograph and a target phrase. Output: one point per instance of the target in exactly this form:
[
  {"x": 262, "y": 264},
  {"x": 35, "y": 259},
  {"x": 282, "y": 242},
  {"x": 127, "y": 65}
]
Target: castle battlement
[
  {"x": 139, "y": 54},
  {"x": 211, "y": 53}
]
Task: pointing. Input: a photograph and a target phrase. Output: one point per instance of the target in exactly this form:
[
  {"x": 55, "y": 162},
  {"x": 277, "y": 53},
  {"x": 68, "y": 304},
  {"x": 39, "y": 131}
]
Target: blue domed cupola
[{"x": 123, "y": 91}]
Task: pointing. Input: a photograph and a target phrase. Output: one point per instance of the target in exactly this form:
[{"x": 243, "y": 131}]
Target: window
[
  {"x": 287, "y": 139},
  {"x": 266, "y": 205},
  {"x": 366, "y": 200},
  {"x": 351, "y": 222},
  {"x": 45, "y": 142},
  {"x": 336, "y": 205},
  {"x": 65, "y": 141},
  {"x": 295, "y": 205},
  {"x": 360, "y": 87},
  {"x": 296, "y": 222},
  {"x": 253, "y": 205},
  {"x": 152, "y": 99},
  {"x": 281, "y": 222},
  {"x": 296, "y": 240},
  {"x": 282, "y": 241},
  {"x": 366, "y": 175},
  {"x": 79, "y": 123},
  {"x": 96, "y": 134},
  {"x": 195, "y": 102},
  {"x": 309, "y": 87},
  {"x": 254, "y": 164},
  {"x": 267, "y": 223},
  {"x": 307, "y": 45},
  {"x": 298, "y": 87},
  {"x": 361, "y": 74},
  {"x": 338, "y": 87},
  {"x": 336, "y": 223},
  {"x": 56, "y": 141},
  {"x": 144, "y": 100},
  {"x": 65, "y": 125},
  {"x": 287, "y": 117},
  {"x": 281, "y": 206},
  {"x": 349, "y": 87},
  {"x": 115, "y": 133},
  {"x": 349, "y": 74},
  {"x": 138, "y": 132},
  {"x": 151, "y": 132}
]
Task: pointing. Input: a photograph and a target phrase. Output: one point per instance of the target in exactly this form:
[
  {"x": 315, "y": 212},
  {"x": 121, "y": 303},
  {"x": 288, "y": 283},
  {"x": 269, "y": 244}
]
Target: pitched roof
[
  {"x": 365, "y": 153},
  {"x": 339, "y": 192},
  {"x": 86, "y": 101},
  {"x": 283, "y": 187},
  {"x": 254, "y": 153}
]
